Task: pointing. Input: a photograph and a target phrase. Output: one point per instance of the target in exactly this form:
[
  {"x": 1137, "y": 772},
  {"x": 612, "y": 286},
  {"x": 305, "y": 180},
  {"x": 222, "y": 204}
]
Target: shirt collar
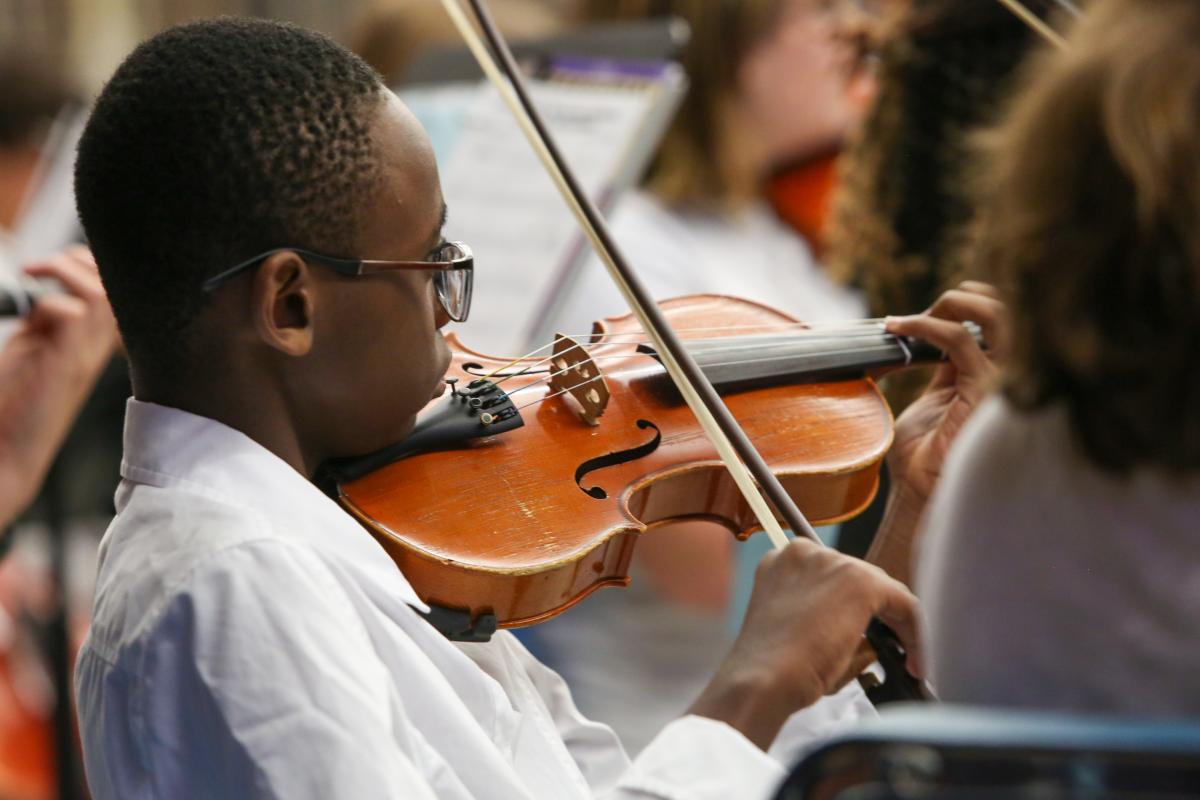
[{"x": 168, "y": 447}]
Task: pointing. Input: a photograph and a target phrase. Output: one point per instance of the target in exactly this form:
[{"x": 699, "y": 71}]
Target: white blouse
[
  {"x": 249, "y": 639},
  {"x": 752, "y": 255}
]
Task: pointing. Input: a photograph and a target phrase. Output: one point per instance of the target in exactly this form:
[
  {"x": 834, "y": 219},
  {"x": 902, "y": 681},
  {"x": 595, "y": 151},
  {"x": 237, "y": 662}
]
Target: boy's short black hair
[{"x": 212, "y": 142}]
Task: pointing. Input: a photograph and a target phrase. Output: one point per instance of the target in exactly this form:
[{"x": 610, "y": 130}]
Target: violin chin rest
[{"x": 481, "y": 409}]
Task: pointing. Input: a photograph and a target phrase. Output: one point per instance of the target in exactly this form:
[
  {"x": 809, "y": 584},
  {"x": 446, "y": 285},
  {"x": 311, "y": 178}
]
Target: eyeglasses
[{"x": 453, "y": 265}]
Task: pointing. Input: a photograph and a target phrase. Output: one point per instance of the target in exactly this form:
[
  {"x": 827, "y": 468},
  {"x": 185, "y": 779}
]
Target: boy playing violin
[{"x": 249, "y": 638}]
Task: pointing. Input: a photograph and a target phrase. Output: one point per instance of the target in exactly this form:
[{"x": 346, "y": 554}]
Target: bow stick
[
  {"x": 1039, "y": 25},
  {"x": 739, "y": 455}
]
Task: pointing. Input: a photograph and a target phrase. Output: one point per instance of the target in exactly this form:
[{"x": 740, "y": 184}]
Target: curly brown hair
[
  {"x": 1092, "y": 222},
  {"x": 902, "y": 213}
]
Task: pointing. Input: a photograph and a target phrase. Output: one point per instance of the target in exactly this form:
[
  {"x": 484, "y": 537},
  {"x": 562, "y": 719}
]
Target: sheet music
[{"x": 507, "y": 209}]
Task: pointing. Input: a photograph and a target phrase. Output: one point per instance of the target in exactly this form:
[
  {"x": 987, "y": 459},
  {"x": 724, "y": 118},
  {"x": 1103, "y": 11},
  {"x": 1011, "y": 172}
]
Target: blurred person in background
[
  {"x": 1060, "y": 567},
  {"x": 771, "y": 83},
  {"x": 39, "y": 106},
  {"x": 47, "y": 370},
  {"x": 902, "y": 212},
  {"x": 52, "y": 373}
]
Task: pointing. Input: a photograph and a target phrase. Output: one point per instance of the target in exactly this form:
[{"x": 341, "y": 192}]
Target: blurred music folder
[{"x": 607, "y": 115}]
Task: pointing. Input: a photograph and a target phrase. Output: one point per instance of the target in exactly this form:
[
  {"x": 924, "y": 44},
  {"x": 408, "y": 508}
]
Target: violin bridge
[{"x": 576, "y": 375}]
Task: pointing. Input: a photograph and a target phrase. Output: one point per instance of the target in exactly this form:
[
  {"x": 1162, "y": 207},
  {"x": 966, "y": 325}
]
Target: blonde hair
[
  {"x": 1092, "y": 221},
  {"x": 698, "y": 160}
]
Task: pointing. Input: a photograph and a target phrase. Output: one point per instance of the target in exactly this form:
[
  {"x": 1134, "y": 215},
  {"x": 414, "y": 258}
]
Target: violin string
[
  {"x": 733, "y": 344},
  {"x": 736, "y": 342},
  {"x": 530, "y": 367},
  {"x": 854, "y": 329},
  {"x": 851, "y": 326},
  {"x": 750, "y": 343},
  {"x": 518, "y": 360},
  {"x": 846, "y": 328},
  {"x": 886, "y": 346},
  {"x": 708, "y": 366},
  {"x": 558, "y": 393},
  {"x": 551, "y": 376},
  {"x": 731, "y": 349},
  {"x": 765, "y": 327}
]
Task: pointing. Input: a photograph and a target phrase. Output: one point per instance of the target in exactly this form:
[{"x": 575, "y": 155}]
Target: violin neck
[{"x": 806, "y": 356}]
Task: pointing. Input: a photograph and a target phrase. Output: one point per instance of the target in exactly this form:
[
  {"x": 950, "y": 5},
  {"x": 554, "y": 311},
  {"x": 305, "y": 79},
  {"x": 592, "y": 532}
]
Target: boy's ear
[{"x": 284, "y": 302}]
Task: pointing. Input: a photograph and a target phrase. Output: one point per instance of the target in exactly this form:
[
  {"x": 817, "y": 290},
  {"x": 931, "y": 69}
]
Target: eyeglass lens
[{"x": 453, "y": 286}]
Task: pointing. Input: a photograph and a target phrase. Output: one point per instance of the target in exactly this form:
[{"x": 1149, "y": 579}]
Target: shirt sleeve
[
  {"x": 257, "y": 696},
  {"x": 693, "y": 757},
  {"x": 700, "y": 759},
  {"x": 830, "y": 716}
]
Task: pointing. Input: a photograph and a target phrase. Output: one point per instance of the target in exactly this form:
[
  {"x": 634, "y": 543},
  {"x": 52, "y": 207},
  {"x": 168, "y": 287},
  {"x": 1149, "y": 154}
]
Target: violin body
[{"x": 505, "y": 525}]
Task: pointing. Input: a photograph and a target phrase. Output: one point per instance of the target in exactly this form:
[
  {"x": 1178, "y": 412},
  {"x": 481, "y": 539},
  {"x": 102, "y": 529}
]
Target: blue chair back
[{"x": 942, "y": 752}]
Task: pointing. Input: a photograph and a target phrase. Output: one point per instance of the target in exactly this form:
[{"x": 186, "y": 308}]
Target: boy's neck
[{"x": 257, "y": 411}]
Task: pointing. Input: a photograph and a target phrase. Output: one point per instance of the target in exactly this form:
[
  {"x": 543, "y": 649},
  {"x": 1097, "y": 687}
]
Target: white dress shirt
[{"x": 249, "y": 639}]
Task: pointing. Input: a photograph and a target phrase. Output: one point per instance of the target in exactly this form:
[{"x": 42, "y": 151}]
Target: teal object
[{"x": 946, "y": 752}]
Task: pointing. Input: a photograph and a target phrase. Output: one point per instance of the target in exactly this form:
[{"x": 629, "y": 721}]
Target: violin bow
[
  {"x": 1039, "y": 25},
  {"x": 739, "y": 455}
]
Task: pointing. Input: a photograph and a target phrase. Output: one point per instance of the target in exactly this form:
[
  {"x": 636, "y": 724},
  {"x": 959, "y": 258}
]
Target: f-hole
[
  {"x": 619, "y": 457},
  {"x": 476, "y": 369}
]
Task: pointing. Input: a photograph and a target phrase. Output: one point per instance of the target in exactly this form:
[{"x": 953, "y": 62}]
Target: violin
[
  {"x": 484, "y": 410},
  {"x": 563, "y": 458}
]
